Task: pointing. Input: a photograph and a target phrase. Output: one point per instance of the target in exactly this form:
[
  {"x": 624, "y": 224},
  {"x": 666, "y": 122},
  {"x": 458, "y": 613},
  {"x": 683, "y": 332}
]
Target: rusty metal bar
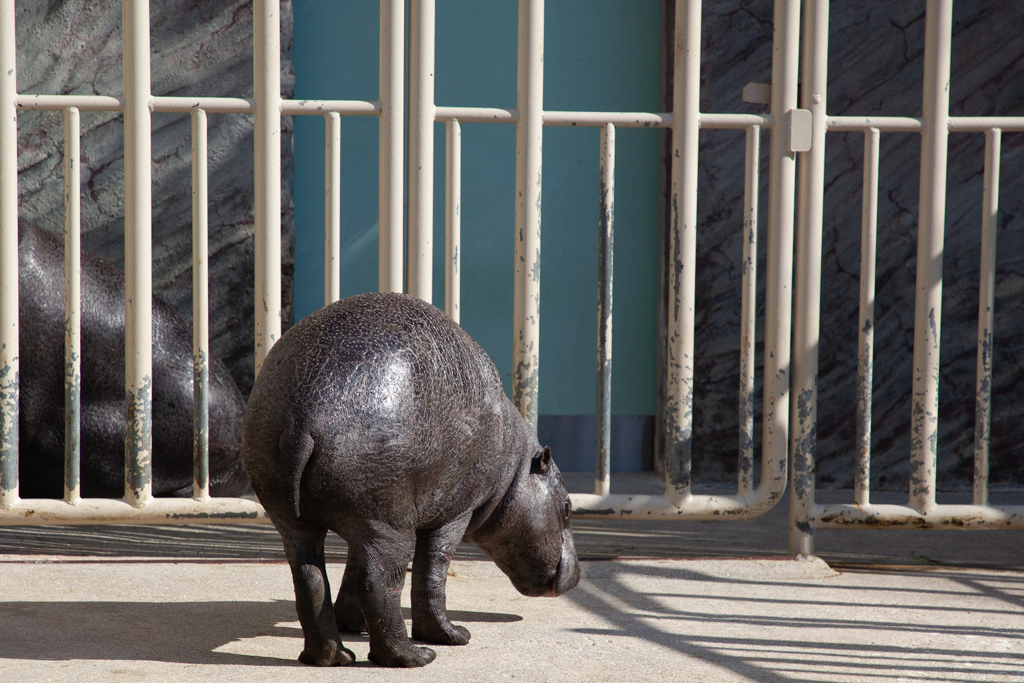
[
  {"x": 529, "y": 138},
  {"x": 200, "y": 310},
  {"x": 453, "y": 219},
  {"x": 605, "y": 279},
  {"x": 807, "y": 276},
  {"x": 838, "y": 516},
  {"x": 138, "y": 256},
  {"x": 72, "y": 306},
  {"x": 420, "y": 256},
  {"x": 332, "y": 207},
  {"x": 986, "y": 315},
  {"x": 748, "y": 311},
  {"x": 682, "y": 252},
  {"x": 803, "y": 415},
  {"x": 932, "y": 214},
  {"x": 779, "y": 264},
  {"x": 9, "y": 354},
  {"x": 392, "y": 128},
  {"x": 866, "y": 334}
]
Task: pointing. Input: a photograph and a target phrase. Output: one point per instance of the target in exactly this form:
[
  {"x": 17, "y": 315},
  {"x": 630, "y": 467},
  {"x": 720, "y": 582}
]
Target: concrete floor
[{"x": 659, "y": 601}]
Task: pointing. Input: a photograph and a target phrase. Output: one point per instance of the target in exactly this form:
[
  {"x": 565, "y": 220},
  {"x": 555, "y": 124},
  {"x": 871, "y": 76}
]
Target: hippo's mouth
[{"x": 565, "y": 578}]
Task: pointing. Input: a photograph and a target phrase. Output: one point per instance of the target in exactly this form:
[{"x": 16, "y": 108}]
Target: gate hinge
[{"x": 800, "y": 127}]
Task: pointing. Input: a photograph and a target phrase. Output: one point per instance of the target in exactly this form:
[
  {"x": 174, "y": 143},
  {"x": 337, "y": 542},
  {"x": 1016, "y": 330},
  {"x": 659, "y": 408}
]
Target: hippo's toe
[
  {"x": 332, "y": 654},
  {"x": 410, "y": 657},
  {"x": 449, "y": 634}
]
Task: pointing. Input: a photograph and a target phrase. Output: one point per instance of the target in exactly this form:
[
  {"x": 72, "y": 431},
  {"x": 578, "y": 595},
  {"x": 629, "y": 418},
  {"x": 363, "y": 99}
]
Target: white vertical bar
[
  {"x": 748, "y": 311},
  {"x": 682, "y": 252},
  {"x": 986, "y": 302},
  {"x": 529, "y": 138},
  {"x": 928, "y": 305},
  {"x": 267, "y": 79},
  {"x": 453, "y": 219},
  {"x": 9, "y": 361},
  {"x": 779, "y": 275},
  {"x": 421, "y": 149},
  {"x": 392, "y": 112},
  {"x": 72, "y": 306},
  {"x": 605, "y": 282},
  {"x": 200, "y": 311},
  {"x": 138, "y": 275},
  {"x": 866, "y": 341},
  {"x": 332, "y": 207}
]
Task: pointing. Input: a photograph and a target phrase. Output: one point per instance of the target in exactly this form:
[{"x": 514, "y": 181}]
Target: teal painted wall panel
[
  {"x": 598, "y": 56},
  {"x": 336, "y": 53}
]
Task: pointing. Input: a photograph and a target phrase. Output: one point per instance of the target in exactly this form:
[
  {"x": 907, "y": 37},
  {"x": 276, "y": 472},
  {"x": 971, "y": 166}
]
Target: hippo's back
[{"x": 381, "y": 383}]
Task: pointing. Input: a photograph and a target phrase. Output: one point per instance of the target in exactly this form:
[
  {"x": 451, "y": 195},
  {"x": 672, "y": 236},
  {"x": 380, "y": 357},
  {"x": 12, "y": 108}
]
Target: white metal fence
[
  {"x": 921, "y": 510},
  {"x": 792, "y": 134}
]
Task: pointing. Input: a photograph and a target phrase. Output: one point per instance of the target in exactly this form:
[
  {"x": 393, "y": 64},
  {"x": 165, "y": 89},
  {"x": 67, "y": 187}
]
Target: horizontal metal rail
[
  {"x": 31, "y": 511},
  {"x": 906, "y": 124},
  {"x": 838, "y": 516},
  {"x": 184, "y": 105}
]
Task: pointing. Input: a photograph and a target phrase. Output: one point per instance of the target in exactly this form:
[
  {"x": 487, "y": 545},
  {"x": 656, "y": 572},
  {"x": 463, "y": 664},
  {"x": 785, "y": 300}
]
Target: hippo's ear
[{"x": 541, "y": 462}]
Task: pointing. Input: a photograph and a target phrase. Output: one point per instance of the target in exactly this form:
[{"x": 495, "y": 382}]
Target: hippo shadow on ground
[{"x": 181, "y": 632}]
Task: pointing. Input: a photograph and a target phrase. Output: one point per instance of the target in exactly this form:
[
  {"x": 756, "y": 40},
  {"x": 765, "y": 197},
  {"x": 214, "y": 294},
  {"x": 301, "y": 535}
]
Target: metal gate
[
  {"x": 921, "y": 510},
  {"x": 529, "y": 117},
  {"x": 793, "y": 130}
]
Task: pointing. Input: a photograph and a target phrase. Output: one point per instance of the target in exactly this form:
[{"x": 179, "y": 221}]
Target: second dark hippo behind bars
[{"x": 380, "y": 419}]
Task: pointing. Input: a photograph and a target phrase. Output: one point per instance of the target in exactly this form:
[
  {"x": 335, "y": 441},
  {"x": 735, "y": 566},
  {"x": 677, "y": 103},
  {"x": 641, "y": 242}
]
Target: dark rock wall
[
  {"x": 198, "y": 48},
  {"x": 875, "y": 67}
]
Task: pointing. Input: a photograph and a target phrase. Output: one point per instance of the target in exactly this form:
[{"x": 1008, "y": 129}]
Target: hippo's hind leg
[
  {"x": 304, "y": 548},
  {"x": 346, "y": 610},
  {"x": 434, "y": 551},
  {"x": 378, "y": 557}
]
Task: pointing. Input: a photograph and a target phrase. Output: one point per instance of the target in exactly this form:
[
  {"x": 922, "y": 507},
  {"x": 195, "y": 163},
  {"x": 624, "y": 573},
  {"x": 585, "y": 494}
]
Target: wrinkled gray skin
[
  {"x": 378, "y": 418},
  {"x": 41, "y": 424}
]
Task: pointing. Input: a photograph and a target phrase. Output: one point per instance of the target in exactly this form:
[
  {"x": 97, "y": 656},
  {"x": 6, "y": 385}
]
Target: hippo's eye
[{"x": 567, "y": 511}]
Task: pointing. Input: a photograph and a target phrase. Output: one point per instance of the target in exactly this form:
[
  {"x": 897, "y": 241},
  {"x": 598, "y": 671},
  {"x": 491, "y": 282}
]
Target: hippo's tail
[{"x": 296, "y": 447}]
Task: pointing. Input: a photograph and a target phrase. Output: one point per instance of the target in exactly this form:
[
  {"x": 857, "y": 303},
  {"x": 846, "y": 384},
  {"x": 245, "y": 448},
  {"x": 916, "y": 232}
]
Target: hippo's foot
[
  {"x": 331, "y": 654},
  {"x": 409, "y": 657},
  {"x": 440, "y": 634}
]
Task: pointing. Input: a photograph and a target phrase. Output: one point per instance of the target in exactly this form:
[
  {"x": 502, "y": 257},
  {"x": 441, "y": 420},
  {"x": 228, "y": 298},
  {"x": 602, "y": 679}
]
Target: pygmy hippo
[
  {"x": 377, "y": 417},
  {"x": 41, "y": 424}
]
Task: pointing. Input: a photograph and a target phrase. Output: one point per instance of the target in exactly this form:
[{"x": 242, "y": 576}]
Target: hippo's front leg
[
  {"x": 379, "y": 560},
  {"x": 434, "y": 551}
]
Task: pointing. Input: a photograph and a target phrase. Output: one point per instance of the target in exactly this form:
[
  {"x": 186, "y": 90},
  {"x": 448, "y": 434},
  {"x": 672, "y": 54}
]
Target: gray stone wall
[
  {"x": 198, "y": 48},
  {"x": 875, "y": 67}
]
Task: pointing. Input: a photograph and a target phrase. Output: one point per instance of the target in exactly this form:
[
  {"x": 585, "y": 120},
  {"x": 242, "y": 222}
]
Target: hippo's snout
[{"x": 567, "y": 575}]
